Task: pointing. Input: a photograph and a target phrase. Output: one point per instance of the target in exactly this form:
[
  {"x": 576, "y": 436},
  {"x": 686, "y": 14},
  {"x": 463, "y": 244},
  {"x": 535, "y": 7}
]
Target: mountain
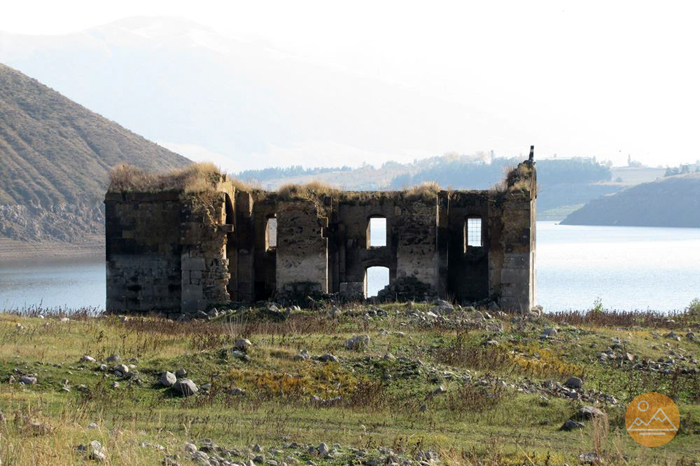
[
  {"x": 669, "y": 202},
  {"x": 54, "y": 161},
  {"x": 243, "y": 104}
]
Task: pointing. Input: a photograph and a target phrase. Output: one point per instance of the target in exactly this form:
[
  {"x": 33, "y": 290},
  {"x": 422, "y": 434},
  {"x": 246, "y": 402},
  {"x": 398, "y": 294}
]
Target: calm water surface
[{"x": 627, "y": 268}]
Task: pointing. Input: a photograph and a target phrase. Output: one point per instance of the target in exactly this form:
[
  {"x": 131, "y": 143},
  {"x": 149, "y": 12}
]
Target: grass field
[{"x": 433, "y": 384}]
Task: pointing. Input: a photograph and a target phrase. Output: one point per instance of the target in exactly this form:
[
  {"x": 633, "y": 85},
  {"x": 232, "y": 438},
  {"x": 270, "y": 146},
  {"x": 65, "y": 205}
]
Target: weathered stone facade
[{"x": 184, "y": 252}]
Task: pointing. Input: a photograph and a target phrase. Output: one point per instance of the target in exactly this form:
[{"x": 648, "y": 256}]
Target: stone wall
[
  {"x": 302, "y": 250},
  {"x": 143, "y": 252},
  {"x": 185, "y": 252},
  {"x": 204, "y": 262}
]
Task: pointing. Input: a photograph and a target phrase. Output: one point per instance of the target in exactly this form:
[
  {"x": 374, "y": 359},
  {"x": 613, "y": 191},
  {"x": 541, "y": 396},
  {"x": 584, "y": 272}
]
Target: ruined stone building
[{"x": 187, "y": 242}]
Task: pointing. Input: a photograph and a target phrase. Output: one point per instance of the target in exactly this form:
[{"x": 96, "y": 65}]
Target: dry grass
[
  {"x": 427, "y": 190},
  {"x": 312, "y": 190},
  {"x": 200, "y": 177}
]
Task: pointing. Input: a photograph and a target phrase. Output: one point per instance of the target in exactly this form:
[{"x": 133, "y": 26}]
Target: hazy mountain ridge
[
  {"x": 668, "y": 202},
  {"x": 564, "y": 183},
  {"x": 54, "y": 159},
  {"x": 179, "y": 83}
]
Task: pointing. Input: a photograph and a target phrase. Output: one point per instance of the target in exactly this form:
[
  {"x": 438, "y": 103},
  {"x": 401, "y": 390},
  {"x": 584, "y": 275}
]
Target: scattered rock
[
  {"x": 28, "y": 380},
  {"x": 97, "y": 451},
  {"x": 168, "y": 379},
  {"x": 87, "y": 358},
  {"x": 328, "y": 358},
  {"x": 242, "y": 344},
  {"x": 573, "y": 382},
  {"x": 570, "y": 424},
  {"x": 587, "y": 413},
  {"x": 303, "y": 356},
  {"x": 185, "y": 387},
  {"x": 121, "y": 370},
  {"x": 357, "y": 343},
  {"x": 114, "y": 358},
  {"x": 181, "y": 373}
]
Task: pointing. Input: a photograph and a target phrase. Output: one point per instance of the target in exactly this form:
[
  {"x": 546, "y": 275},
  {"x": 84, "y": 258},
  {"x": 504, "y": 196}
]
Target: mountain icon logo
[{"x": 652, "y": 430}]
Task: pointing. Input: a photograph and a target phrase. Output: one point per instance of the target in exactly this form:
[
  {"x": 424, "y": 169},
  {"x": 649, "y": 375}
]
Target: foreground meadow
[{"x": 389, "y": 384}]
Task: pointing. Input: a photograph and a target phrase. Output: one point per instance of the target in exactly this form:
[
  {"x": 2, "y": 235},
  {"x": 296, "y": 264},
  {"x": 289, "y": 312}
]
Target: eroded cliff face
[{"x": 68, "y": 223}]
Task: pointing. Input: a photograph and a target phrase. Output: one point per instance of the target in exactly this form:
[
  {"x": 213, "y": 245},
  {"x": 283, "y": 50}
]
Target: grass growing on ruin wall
[{"x": 195, "y": 178}]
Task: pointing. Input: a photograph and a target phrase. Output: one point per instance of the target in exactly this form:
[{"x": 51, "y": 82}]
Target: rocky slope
[
  {"x": 669, "y": 202},
  {"x": 55, "y": 156}
]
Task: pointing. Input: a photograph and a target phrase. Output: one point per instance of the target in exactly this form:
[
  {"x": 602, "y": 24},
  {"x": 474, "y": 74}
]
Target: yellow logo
[{"x": 652, "y": 419}]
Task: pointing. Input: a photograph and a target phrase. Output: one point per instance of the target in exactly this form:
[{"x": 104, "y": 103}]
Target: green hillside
[{"x": 54, "y": 159}]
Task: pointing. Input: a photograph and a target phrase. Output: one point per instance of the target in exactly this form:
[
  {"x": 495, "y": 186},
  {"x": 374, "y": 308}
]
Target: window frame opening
[
  {"x": 271, "y": 224},
  {"x": 369, "y": 275},
  {"x": 473, "y": 232},
  {"x": 370, "y": 242}
]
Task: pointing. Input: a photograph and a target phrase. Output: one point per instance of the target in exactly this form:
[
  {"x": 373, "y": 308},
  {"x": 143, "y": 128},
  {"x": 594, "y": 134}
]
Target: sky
[{"x": 602, "y": 78}]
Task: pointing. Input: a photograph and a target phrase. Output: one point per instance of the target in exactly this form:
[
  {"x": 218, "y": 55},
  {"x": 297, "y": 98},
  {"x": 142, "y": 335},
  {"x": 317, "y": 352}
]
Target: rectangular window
[
  {"x": 377, "y": 232},
  {"x": 271, "y": 234},
  {"x": 473, "y": 233}
]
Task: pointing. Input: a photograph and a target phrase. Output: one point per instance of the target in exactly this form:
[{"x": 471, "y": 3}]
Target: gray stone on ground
[
  {"x": 181, "y": 373},
  {"x": 168, "y": 379},
  {"x": 97, "y": 451},
  {"x": 587, "y": 413},
  {"x": 87, "y": 358},
  {"x": 114, "y": 358},
  {"x": 358, "y": 342},
  {"x": 570, "y": 425},
  {"x": 573, "y": 382},
  {"x": 185, "y": 387},
  {"x": 28, "y": 380},
  {"x": 328, "y": 358},
  {"x": 122, "y": 369},
  {"x": 242, "y": 344}
]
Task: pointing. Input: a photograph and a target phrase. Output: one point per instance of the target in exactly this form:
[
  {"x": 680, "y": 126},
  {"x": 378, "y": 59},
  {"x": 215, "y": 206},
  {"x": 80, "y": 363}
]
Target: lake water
[{"x": 627, "y": 268}]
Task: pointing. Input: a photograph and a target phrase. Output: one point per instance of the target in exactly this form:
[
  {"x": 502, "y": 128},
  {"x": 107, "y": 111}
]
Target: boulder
[
  {"x": 185, "y": 387},
  {"x": 357, "y": 343},
  {"x": 121, "y": 370},
  {"x": 168, "y": 379},
  {"x": 242, "y": 344},
  {"x": 328, "y": 358},
  {"x": 570, "y": 425},
  {"x": 588, "y": 412},
  {"x": 573, "y": 382},
  {"x": 28, "y": 380}
]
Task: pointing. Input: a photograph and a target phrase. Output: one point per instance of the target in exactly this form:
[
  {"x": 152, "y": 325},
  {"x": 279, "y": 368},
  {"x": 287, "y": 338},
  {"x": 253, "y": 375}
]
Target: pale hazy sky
[{"x": 603, "y": 78}]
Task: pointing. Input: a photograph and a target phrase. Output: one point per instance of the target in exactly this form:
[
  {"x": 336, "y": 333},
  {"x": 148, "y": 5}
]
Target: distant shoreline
[{"x": 16, "y": 251}]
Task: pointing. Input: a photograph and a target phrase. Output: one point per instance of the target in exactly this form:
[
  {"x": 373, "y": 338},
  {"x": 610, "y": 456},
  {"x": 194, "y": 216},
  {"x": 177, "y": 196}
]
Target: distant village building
[{"x": 188, "y": 241}]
